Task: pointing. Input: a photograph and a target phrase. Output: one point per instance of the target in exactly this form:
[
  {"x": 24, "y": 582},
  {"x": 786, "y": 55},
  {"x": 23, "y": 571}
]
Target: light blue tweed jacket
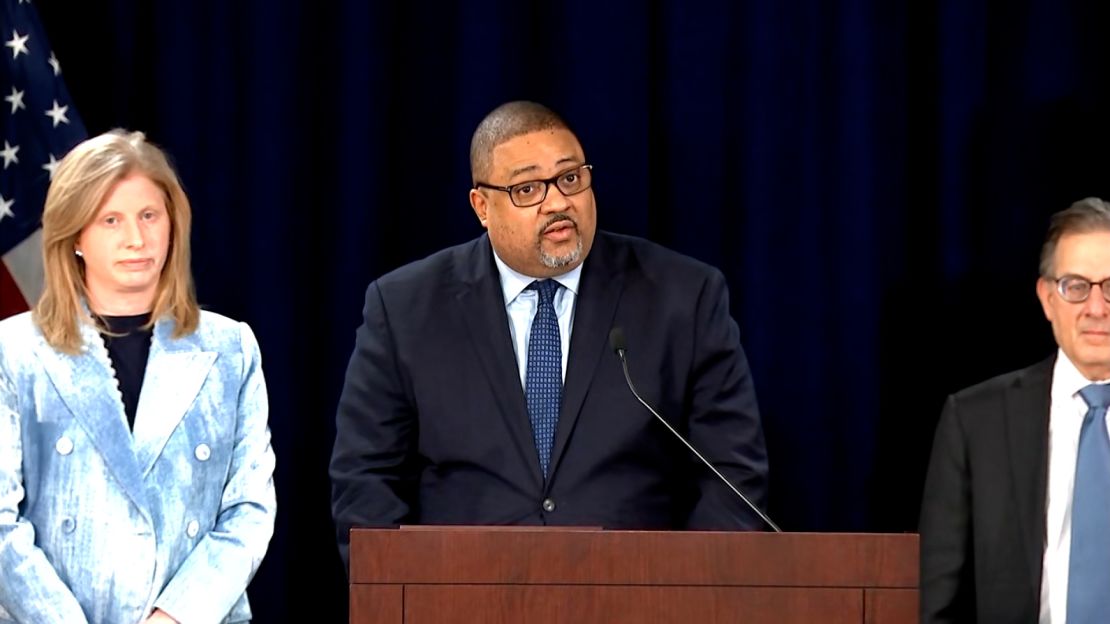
[{"x": 101, "y": 525}]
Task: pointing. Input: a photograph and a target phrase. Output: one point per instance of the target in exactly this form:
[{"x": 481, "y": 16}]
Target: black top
[{"x": 128, "y": 352}]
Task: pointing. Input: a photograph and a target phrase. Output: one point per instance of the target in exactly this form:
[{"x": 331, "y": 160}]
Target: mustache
[{"x": 553, "y": 219}]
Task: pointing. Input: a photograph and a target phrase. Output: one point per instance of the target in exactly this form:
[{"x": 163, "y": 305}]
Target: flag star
[
  {"x": 6, "y": 208},
  {"x": 16, "y": 99},
  {"x": 8, "y": 154},
  {"x": 55, "y": 64},
  {"x": 17, "y": 44},
  {"x": 58, "y": 114},
  {"x": 51, "y": 166}
]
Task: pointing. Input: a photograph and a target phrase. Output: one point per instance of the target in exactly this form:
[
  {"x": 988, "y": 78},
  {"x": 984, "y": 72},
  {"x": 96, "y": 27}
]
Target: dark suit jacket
[
  {"x": 983, "y": 511},
  {"x": 432, "y": 426}
]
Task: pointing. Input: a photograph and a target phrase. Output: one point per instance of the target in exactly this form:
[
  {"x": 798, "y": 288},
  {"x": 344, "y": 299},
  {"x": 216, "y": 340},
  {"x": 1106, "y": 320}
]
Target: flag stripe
[
  {"x": 24, "y": 262},
  {"x": 11, "y": 300}
]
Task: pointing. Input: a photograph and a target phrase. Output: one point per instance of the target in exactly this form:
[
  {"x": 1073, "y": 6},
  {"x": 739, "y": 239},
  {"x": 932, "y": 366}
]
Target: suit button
[
  {"x": 548, "y": 505},
  {"x": 202, "y": 452},
  {"x": 68, "y": 524},
  {"x": 64, "y": 446},
  {"x": 192, "y": 528}
]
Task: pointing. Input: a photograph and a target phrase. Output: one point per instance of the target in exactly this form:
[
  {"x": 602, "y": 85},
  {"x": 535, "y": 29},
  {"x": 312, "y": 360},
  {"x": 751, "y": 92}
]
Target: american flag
[{"x": 39, "y": 126}]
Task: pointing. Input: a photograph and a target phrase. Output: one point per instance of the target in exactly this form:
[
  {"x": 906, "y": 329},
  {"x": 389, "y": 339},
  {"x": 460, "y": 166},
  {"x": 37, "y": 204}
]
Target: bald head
[{"x": 505, "y": 122}]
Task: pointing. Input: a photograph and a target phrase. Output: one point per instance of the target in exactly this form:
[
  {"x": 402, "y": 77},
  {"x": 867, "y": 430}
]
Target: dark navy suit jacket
[
  {"x": 432, "y": 426},
  {"x": 983, "y": 511}
]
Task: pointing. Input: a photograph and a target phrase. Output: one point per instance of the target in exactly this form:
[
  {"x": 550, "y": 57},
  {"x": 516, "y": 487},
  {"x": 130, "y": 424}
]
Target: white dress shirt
[
  {"x": 521, "y": 304},
  {"x": 1065, "y": 419}
]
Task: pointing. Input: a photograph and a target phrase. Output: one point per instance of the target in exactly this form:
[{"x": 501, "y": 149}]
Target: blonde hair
[{"x": 81, "y": 183}]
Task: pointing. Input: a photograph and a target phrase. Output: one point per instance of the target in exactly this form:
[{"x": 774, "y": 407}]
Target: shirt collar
[
  {"x": 1067, "y": 381},
  {"x": 513, "y": 283}
]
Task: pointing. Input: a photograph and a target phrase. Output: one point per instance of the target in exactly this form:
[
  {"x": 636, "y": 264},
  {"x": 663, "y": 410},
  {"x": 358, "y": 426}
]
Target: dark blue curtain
[{"x": 872, "y": 176}]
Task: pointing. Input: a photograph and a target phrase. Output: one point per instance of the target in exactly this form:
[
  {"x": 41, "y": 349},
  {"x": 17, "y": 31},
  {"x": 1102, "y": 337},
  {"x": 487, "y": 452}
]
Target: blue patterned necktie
[
  {"x": 1089, "y": 562},
  {"x": 543, "y": 379}
]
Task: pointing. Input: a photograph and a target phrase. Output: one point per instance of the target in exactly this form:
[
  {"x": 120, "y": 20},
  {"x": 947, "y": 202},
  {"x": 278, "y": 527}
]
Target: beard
[
  {"x": 557, "y": 262},
  {"x": 567, "y": 259}
]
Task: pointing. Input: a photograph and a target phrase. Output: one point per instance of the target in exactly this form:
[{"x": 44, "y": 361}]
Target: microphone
[{"x": 616, "y": 341}]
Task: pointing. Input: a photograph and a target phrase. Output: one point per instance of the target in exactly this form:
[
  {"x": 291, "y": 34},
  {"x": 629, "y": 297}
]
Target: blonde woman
[{"x": 135, "y": 462}]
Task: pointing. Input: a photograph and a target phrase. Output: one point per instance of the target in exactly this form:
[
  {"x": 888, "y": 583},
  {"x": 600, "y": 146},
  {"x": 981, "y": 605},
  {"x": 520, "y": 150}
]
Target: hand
[{"x": 159, "y": 617}]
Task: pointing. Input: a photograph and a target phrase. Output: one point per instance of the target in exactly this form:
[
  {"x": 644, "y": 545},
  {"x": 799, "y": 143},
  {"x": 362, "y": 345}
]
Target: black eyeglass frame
[
  {"x": 1103, "y": 285},
  {"x": 546, "y": 186}
]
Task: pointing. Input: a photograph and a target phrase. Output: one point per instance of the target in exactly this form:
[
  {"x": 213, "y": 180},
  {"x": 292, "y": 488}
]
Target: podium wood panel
[
  {"x": 377, "y": 604},
  {"x": 890, "y": 605},
  {"x": 568, "y": 604},
  {"x": 511, "y": 574}
]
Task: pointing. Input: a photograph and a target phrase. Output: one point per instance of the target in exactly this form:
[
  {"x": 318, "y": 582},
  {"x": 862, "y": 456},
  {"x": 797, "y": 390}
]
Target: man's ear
[
  {"x": 479, "y": 203},
  {"x": 1045, "y": 291}
]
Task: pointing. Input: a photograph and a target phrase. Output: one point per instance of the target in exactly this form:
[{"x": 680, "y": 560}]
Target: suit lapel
[
  {"x": 598, "y": 294},
  {"x": 1027, "y": 409},
  {"x": 88, "y": 387},
  {"x": 175, "y": 372},
  {"x": 480, "y": 295}
]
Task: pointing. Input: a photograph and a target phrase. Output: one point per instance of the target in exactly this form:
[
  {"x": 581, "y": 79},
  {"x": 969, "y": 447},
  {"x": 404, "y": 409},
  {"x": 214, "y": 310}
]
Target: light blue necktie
[
  {"x": 1089, "y": 561},
  {"x": 543, "y": 380}
]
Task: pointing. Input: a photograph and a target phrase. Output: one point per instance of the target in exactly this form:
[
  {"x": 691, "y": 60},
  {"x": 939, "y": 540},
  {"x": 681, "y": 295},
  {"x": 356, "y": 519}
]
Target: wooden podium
[{"x": 540, "y": 575}]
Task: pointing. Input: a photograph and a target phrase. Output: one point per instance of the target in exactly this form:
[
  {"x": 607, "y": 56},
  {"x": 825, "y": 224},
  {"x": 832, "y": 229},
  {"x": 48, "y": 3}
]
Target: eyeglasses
[
  {"x": 1075, "y": 289},
  {"x": 533, "y": 192}
]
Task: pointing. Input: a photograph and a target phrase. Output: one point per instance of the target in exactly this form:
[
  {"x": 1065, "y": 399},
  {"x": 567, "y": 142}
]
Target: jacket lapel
[
  {"x": 88, "y": 387},
  {"x": 1027, "y": 410},
  {"x": 598, "y": 294},
  {"x": 175, "y": 372},
  {"x": 482, "y": 304}
]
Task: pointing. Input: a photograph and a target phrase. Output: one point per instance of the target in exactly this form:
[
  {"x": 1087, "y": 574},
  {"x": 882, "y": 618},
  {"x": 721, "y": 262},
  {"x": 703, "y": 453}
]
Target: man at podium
[{"x": 482, "y": 388}]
